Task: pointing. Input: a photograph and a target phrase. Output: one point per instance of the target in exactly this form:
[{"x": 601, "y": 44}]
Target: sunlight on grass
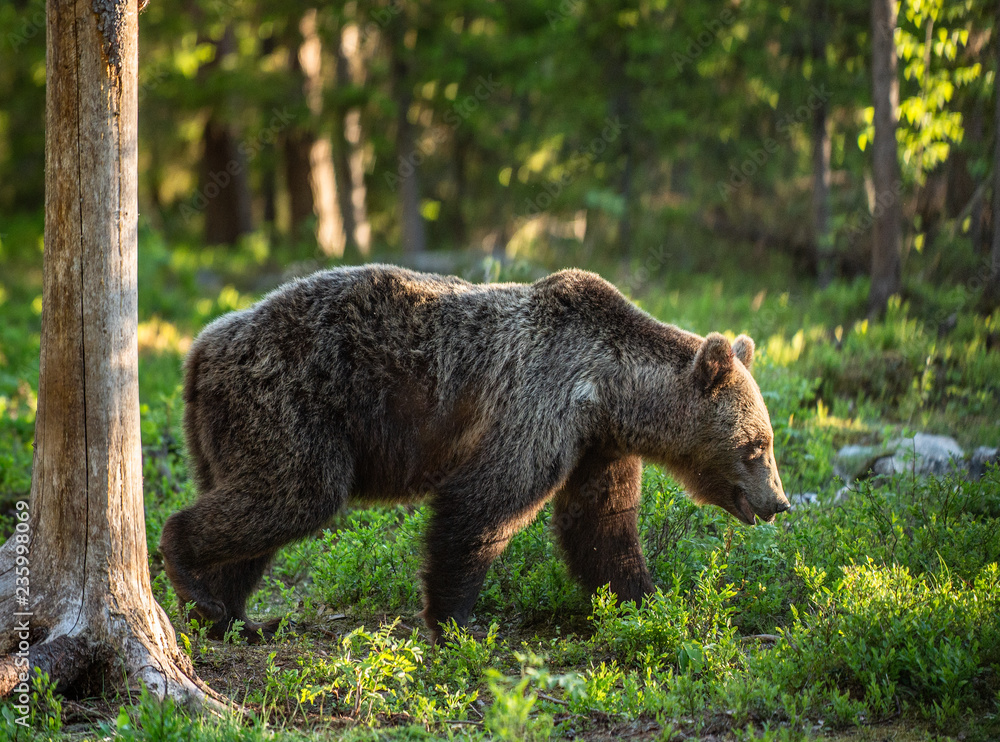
[
  {"x": 783, "y": 351},
  {"x": 158, "y": 335},
  {"x": 882, "y": 605}
]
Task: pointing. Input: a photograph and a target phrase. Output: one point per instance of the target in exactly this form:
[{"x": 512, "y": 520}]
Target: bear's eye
[{"x": 756, "y": 449}]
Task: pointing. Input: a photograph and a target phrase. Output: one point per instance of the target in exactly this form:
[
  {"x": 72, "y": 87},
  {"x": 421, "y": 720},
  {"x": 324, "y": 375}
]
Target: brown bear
[{"x": 379, "y": 384}]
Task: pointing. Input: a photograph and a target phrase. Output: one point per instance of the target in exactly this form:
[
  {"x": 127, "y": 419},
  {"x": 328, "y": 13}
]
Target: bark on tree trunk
[
  {"x": 309, "y": 167},
  {"x": 408, "y": 162},
  {"x": 359, "y": 189},
  {"x": 822, "y": 237},
  {"x": 351, "y": 70},
  {"x": 224, "y": 179},
  {"x": 300, "y": 196},
  {"x": 414, "y": 236},
  {"x": 991, "y": 291},
  {"x": 975, "y": 137},
  {"x": 330, "y": 233},
  {"x": 886, "y": 237},
  {"x": 623, "y": 108},
  {"x": 225, "y": 186},
  {"x": 821, "y": 197},
  {"x": 75, "y": 596},
  {"x": 348, "y": 154},
  {"x": 458, "y": 226},
  {"x": 628, "y": 177}
]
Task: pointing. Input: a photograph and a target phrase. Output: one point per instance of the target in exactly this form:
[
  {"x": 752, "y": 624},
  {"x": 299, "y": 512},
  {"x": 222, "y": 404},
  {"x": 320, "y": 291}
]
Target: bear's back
[{"x": 397, "y": 367}]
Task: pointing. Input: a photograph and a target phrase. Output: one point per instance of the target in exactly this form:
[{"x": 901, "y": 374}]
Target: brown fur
[{"x": 380, "y": 384}]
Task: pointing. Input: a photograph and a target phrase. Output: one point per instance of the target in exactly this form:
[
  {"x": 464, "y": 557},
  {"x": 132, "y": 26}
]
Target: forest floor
[{"x": 867, "y": 615}]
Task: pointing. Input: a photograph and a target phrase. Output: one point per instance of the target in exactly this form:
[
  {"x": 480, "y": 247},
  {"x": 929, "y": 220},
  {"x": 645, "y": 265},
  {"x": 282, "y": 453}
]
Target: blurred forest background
[
  {"x": 666, "y": 136},
  {"x": 754, "y": 166}
]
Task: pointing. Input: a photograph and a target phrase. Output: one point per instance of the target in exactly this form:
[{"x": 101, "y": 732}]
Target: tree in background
[
  {"x": 348, "y": 137},
  {"x": 822, "y": 233},
  {"x": 75, "y": 586},
  {"x": 886, "y": 239},
  {"x": 401, "y": 38},
  {"x": 991, "y": 292},
  {"x": 309, "y": 166},
  {"x": 224, "y": 177},
  {"x": 611, "y": 131}
]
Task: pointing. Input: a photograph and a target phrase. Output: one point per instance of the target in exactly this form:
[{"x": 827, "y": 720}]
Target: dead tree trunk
[
  {"x": 75, "y": 596},
  {"x": 886, "y": 237}
]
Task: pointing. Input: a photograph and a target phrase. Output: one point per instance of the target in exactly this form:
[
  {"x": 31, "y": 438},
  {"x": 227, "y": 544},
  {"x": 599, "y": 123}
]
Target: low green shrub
[
  {"x": 893, "y": 639},
  {"x": 370, "y": 562},
  {"x": 692, "y": 631}
]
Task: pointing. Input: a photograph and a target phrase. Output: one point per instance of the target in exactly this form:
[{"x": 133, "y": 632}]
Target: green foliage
[
  {"x": 464, "y": 657},
  {"x": 19, "y": 349},
  {"x": 46, "y": 706},
  {"x": 509, "y": 716},
  {"x": 564, "y": 130},
  {"x": 152, "y": 719},
  {"x": 923, "y": 525},
  {"x": 374, "y": 674},
  {"x": 931, "y": 42},
  {"x": 904, "y": 364},
  {"x": 531, "y": 577},
  {"x": 877, "y": 603},
  {"x": 32, "y": 711},
  {"x": 369, "y": 563},
  {"x": 691, "y": 631},
  {"x": 889, "y": 637}
]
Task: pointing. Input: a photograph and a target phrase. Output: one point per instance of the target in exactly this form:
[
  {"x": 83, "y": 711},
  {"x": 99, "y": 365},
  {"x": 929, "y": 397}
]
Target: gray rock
[
  {"x": 803, "y": 499},
  {"x": 855, "y": 462},
  {"x": 922, "y": 455},
  {"x": 844, "y": 492},
  {"x": 980, "y": 459}
]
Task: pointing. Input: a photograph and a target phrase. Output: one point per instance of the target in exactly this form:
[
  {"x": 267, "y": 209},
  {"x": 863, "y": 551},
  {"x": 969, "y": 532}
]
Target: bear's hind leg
[
  {"x": 184, "y": 568},
  {"x": 233, "y": 583},
  {"x": 215, "y": 551},
  {"x": 596, "y": 521}
]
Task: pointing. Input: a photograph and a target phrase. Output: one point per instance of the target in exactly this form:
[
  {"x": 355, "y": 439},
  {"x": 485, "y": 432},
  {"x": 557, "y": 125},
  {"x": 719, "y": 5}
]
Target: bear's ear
[
  {"x": 743, "y": 348},
  {"x": 713, "y": 362}
]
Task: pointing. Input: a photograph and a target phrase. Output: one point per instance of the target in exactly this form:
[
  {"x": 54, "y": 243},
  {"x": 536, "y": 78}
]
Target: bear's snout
[
  {"x": 765, "y": 503},
  {"x": 781, "y": 505}
]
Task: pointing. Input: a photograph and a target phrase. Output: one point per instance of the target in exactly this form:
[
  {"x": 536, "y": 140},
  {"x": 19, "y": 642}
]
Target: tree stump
[{"x": 75, "y": 594}]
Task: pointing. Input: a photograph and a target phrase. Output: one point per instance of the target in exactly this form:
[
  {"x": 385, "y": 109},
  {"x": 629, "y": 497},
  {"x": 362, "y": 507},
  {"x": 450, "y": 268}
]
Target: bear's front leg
[{"x": 596, "y": 521}]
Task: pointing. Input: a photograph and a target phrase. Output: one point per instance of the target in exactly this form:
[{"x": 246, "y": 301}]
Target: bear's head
[{"x": 730, "y": 462}]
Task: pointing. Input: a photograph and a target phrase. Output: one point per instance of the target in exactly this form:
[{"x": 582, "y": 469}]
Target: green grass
[{"x": 874, "y": 616}]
